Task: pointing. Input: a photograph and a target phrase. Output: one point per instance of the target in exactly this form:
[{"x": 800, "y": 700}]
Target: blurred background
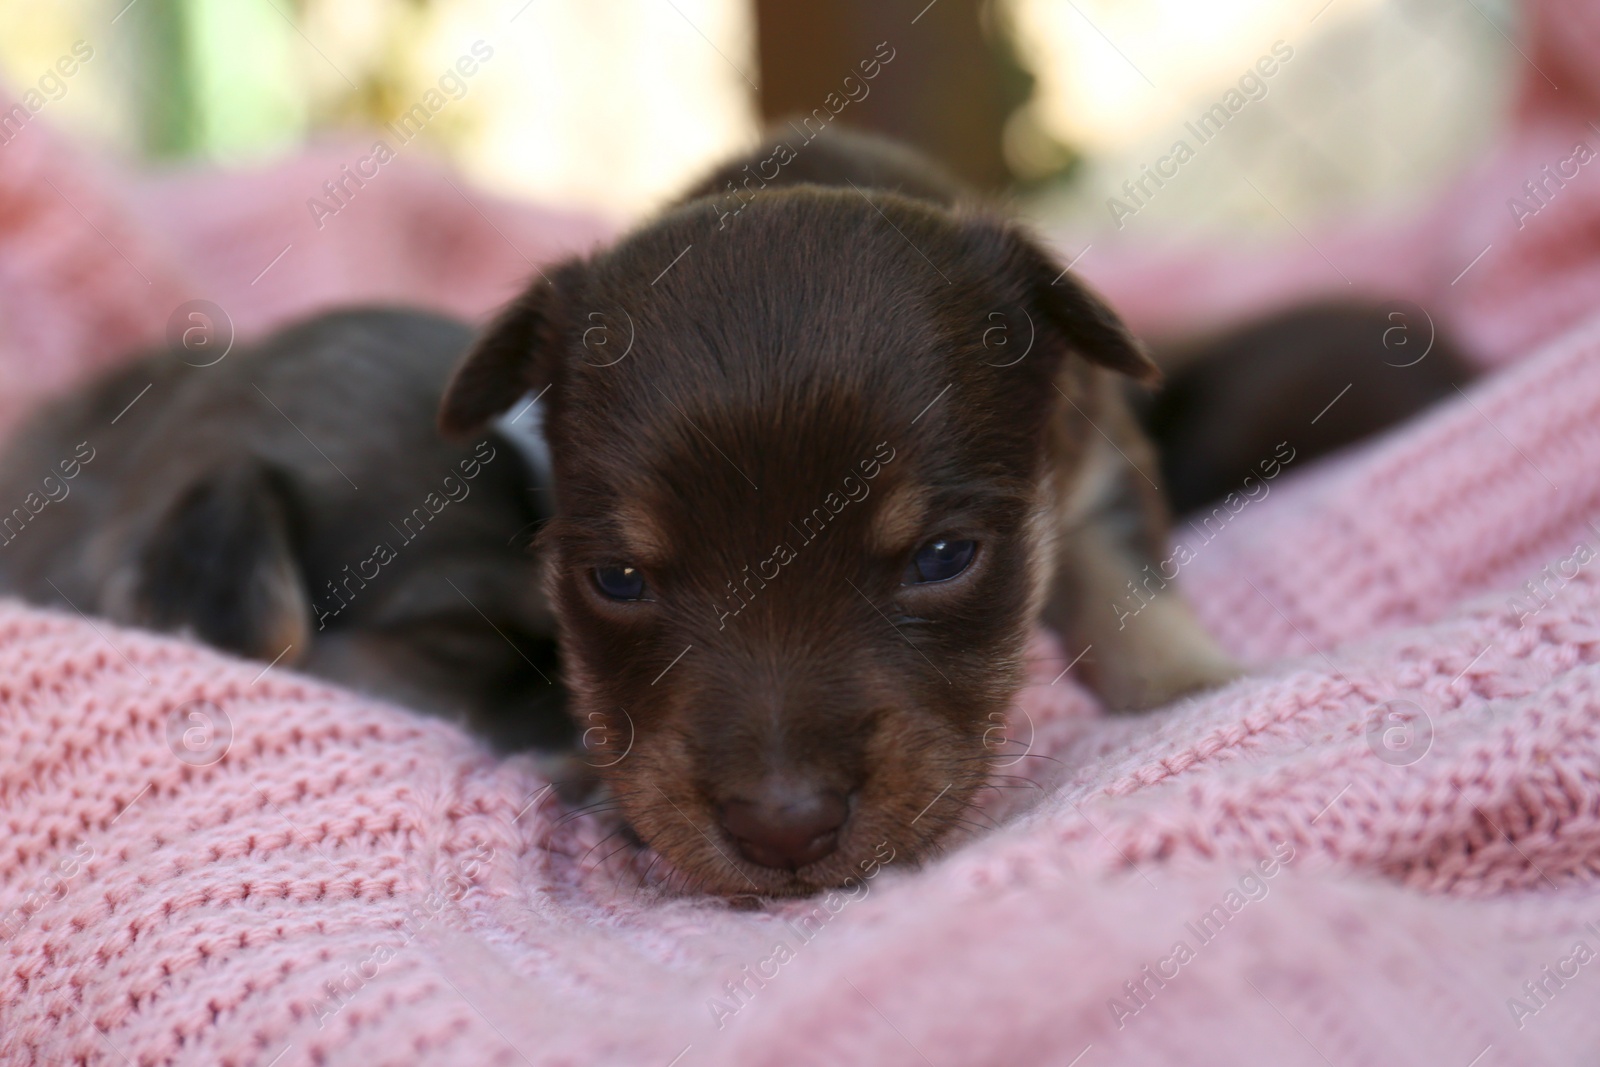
[{"x": 612, "y": 105}]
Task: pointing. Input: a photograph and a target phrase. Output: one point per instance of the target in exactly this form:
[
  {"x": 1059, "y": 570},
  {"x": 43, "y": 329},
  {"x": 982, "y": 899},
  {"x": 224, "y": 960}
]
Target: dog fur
[
  {"x": 820, "y": 372},
  {"x": 1317, "y": 376},
  {"x": 243, "y": 504}
]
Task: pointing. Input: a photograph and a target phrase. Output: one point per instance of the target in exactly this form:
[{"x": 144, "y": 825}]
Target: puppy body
[
  {"x": 1316, "y": 377},
  {"x": 294, "y": 500},
  {"x": 823, "y": 391}
]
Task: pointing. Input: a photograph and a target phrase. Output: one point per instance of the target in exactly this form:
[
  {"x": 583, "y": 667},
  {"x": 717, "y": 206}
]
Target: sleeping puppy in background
[
  {"x": 826, "y": 444},
  {"x": 1317, "y": 377},
  {"x": 293, "y": 503}
]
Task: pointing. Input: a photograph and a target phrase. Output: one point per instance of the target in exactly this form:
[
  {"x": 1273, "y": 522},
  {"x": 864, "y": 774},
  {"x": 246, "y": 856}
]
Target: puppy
[
  {"x": 1317, "y": 376},
  {"x": 823, "y": 451},
  {"x": 293, "y": 503}
]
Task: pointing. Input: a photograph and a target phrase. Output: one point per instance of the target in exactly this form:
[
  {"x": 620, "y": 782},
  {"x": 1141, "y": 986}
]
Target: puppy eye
[
  {"x": 620, "y": 582},
  {"x": 939, "y": 560}
]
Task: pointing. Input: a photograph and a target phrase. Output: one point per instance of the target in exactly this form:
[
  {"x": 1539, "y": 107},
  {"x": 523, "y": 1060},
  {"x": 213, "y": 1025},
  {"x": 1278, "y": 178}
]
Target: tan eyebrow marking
[
  {"x": 898, "y": 521},
  {"x": 645, "y": 539}
]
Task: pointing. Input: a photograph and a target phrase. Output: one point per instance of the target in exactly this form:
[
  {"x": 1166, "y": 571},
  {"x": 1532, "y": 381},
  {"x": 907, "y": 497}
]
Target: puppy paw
[{"x": 1170, "y": 680}]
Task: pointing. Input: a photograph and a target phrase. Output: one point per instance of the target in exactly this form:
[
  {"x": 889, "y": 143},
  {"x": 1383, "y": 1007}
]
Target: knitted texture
[{"x": 1381, "y": 848}]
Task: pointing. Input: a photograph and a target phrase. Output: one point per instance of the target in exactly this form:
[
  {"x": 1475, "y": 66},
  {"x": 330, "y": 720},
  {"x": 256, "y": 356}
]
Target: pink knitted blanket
[{"x": 1382, "y": 848}]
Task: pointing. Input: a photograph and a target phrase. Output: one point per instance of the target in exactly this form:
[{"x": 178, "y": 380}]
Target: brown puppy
[
  {"x": 822, "y": 454},
  {"x": 293, "y": 503},
  {"x": 1317, "y": 376}
]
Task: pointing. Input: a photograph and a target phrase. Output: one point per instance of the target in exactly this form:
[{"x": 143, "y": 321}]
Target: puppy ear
[
  {"x": 219, "y": 563},
  {"x": 1078, "y": 314},
  {"x": 515, "y": 354},
  {"x": 1093, "y": 329}
]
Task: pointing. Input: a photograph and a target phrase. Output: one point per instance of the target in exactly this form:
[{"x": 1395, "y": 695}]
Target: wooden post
[{"x": 948, "y": 90}]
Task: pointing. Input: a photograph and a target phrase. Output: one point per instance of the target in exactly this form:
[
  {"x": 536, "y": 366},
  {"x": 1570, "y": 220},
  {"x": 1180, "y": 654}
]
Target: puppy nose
[{"x": 786, "y": 826}]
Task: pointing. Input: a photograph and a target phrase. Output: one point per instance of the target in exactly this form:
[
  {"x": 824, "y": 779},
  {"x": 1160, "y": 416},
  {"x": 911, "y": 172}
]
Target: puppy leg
[
  {"x": 1113, "y": 592},
  {"x": 215, "y": 560}
]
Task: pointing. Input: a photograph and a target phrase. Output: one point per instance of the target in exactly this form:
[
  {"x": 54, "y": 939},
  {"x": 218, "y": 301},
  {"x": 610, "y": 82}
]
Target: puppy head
[
  {"x": 802, "y": 507},
  {"x": 232, "y": 513}
]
